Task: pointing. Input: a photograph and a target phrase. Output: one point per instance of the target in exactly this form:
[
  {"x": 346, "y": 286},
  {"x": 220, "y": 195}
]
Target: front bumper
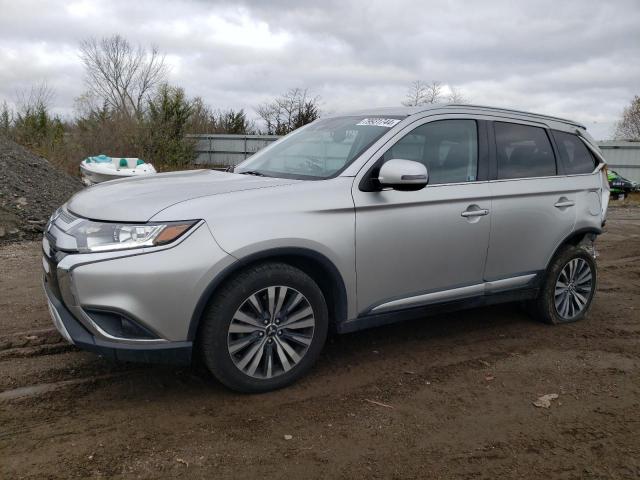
[
  {"x": 131, "y": 305},
  {"x": 74, "y": 332}
]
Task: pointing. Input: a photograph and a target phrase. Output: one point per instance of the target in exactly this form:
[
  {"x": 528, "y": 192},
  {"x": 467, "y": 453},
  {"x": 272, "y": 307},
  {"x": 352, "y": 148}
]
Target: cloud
[{"x": 574, "y": 58}]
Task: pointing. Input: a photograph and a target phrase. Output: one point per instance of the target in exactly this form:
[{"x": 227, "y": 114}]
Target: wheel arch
[
  {"x": 316, "y": 265},
  {"x": 574, "y": 238}
]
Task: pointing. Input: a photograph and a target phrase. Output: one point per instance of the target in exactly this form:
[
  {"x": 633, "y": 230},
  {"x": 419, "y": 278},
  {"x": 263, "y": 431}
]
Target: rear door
[
  {"x": 533, "y": 203},
  {"x": 580, "y": 167}
]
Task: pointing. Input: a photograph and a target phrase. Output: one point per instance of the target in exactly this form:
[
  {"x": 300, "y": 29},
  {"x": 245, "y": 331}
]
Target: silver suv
[{"x": 350, "y": 222}]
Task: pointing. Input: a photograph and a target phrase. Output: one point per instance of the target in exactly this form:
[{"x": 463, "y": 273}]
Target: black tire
[
  {"x": 544, "y": 308},
  {"x": 215, "y": 324}
]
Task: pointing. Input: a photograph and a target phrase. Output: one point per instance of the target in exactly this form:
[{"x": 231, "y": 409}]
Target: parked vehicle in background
[
  {"x": 620, "y": 186},
  {"x": 350, "y": 222}
]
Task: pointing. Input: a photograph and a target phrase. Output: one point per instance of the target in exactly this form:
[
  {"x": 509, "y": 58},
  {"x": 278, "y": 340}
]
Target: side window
[
  {"x": 574, "y": 154},
  {"x": 448, "y": 148},
  {"x": 523, "y": 151}
]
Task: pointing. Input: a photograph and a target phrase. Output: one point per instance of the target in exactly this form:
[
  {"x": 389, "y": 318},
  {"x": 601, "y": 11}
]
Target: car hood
[{"x": 138, "y": 199}]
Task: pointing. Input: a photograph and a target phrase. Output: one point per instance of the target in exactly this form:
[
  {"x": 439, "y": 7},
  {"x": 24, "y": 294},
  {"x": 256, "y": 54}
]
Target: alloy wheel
[
  {"x": 271, "y": 332},
  {"x": 574, "y": 288}
]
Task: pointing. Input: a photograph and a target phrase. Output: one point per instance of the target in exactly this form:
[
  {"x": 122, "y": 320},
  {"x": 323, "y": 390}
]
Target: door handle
[
  {"x": 474, "y": 213},
  {"x": 563, "y": 203}
]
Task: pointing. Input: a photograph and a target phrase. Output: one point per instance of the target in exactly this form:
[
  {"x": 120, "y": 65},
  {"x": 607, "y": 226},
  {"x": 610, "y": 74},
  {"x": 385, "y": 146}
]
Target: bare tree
[
  {"x": 289, "y": 111},
  {"x": 86, "y": 104},
  {"x": 628, "y": 128},
  {"x": 456, "y": 96},
  {"x": 33, "y": 124},
  {"x": 121, "y": 75},
  {"x": 422, "y": 93},
  {"x": 34, "y": 99},
  {"x": 270, "y": 113},
  {"x": 415, "y": 93}
]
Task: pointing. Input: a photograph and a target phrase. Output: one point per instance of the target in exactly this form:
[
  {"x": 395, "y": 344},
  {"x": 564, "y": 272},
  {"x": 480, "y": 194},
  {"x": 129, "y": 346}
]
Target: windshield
[{"x": 319, "y": 150}]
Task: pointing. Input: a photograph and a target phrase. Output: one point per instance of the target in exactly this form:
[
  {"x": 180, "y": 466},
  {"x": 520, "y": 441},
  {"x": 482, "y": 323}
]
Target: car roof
[{"x": 464, "y": 108}]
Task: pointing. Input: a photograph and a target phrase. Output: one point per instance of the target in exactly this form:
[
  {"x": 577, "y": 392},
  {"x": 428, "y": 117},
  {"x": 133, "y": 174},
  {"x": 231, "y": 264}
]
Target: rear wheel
[
  {"x": 265, "y": 328},
  {"x": 568, "y": 287}
]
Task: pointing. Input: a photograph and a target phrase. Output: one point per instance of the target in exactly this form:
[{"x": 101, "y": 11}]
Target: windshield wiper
[{"x": 253, "y": 172}]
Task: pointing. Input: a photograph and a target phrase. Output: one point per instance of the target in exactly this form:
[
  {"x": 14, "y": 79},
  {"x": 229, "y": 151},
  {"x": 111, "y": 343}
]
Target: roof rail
[{"x": 519, "y": 112}]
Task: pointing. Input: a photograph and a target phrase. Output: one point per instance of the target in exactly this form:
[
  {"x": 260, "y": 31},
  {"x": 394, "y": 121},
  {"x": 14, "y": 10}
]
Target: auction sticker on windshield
[{"x": 379, "y": 122}]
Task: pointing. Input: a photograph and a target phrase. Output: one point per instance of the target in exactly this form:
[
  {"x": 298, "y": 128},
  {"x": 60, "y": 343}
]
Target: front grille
[
  {"x": 57, "y": 232},
  {"x": 66, "y": 217},
  {"x": 51, "y": 277},
  {"x": 52, "y": 257},
  {"x": 63, "y": 219}
]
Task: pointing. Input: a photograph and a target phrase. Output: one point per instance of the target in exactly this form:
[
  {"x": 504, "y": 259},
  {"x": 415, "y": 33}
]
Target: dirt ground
[{"x": 450, "y": 396}]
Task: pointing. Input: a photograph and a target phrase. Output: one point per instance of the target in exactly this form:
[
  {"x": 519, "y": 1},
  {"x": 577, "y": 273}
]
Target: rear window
[
  {"x": 574, "y": 154},
  {"x": 523, "y": 151}
]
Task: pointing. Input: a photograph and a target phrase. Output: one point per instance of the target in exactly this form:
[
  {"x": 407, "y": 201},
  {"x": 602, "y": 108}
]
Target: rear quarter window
[
  {"x": 574, "y": 154},
  {"x": 523, "y": 151}
]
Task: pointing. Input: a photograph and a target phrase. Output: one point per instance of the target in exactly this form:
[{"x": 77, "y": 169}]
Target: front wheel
[
  {"x": 264, "y": 329},
  {"x": 568, "y": 288}
]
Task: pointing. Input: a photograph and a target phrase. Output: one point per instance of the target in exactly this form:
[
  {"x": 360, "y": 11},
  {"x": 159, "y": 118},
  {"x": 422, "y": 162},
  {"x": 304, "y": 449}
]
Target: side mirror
[{"x": 405, "y": 175}]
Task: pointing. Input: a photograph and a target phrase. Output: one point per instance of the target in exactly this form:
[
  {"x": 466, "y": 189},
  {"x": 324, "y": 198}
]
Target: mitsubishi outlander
[{"x": 350, "y": 222}]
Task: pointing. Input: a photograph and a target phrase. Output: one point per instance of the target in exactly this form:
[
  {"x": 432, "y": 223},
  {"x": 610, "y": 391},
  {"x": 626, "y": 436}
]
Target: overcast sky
[{"x": 578, "y": 59}]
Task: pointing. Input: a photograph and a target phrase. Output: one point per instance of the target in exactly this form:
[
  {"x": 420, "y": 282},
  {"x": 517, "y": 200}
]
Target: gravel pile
[{"x": 30, "y": 190}]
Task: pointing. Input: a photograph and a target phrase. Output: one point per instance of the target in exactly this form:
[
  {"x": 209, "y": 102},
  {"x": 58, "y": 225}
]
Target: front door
[{"x": 426, "y": 246}]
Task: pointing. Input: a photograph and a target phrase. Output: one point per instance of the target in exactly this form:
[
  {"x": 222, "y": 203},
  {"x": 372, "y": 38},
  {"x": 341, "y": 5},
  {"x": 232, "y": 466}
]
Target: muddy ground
[{"x": 444, "y": 397}]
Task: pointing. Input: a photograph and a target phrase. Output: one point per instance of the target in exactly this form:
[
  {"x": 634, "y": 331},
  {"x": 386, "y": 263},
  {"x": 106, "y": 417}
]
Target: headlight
[{"x": 99, "y": 237}]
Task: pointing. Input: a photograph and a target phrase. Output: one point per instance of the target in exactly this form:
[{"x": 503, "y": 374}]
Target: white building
[{"x": 623, "y": 157}]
